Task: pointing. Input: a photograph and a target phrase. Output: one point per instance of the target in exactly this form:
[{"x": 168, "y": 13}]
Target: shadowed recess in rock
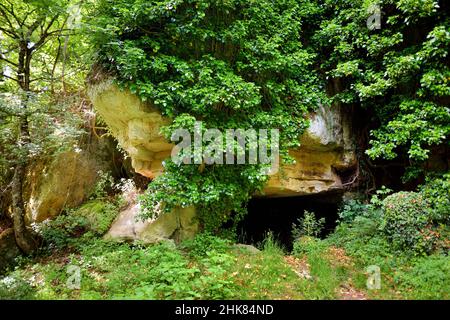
[{"x": 278, "y": 214}]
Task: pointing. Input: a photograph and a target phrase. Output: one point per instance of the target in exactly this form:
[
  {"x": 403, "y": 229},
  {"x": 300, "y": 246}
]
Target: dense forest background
[{"x": 231, "y": 64}]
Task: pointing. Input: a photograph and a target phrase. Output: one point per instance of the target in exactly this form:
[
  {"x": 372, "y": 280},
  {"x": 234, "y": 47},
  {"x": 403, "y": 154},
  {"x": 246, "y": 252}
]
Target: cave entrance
[{"x": 278, "y": 214}]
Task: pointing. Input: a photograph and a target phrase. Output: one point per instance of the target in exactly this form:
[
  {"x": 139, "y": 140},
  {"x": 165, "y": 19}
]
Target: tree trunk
[
  {"x": 23, "y": 236},
  {"x": 24, "y": 239}
]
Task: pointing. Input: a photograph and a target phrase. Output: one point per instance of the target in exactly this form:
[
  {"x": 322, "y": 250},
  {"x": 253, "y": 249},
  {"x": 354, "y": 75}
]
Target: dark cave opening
[{"x": 277, "y": 215}]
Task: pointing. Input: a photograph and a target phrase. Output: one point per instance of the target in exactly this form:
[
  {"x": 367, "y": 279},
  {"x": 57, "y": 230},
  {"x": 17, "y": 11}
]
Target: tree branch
[
  {"x": 5, "y": 15},
  {"x": 9, "y": 61},
  {"x": 44, "y": 34},
  {"x": 11, "y": 12},
  {"x": 32, "y": 28},
  {"x": 14, "y": 14},
  {"x": 11, "y": 78},
  {"x": 10, "y": 33},
  {"x": 27, "y": 15}
]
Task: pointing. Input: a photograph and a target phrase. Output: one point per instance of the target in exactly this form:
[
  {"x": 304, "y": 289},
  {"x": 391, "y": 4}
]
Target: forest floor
[
  {"x": 209, "y": 268},
  {"x": 352, "y": 263}
]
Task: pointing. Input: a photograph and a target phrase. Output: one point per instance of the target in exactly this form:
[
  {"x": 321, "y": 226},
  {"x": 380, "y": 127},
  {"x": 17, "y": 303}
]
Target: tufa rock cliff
[{"x": 325, "y": 161}]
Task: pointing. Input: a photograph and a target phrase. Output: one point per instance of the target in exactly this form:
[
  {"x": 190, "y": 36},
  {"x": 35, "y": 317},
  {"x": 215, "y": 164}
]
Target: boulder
[
  {"x": 247, "y": 248},
  {"x": 178, "y": 225}
]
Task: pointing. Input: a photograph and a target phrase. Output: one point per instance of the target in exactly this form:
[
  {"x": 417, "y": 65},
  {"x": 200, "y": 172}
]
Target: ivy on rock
[
  {"x": 230, "y": 64},
  {"x": 265, "y": 64}
]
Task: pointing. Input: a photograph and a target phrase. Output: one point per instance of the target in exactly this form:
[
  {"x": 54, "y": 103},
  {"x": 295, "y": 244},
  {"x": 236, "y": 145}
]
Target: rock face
[
  {"x": 325, "y": 160},
  {"x": 135, "y": 125},
  {"x": 326, "y": 152},
  {"x": 64, "y": 182}
]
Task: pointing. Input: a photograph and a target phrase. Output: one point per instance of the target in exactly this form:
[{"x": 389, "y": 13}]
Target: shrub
[
  {"x": 307, "y": 226},
  {"x": 99, "y": 215},
  {"x": 103, "y": 186},
  {"x": 270, "y": 245},
  {"x": 63, "y": 230},
  {"x": 406, "y": 221},
  {"x": 429, "y": 278},
  {"x": 93, "y": 218},
  {"x": 436, "y": 193},
  {"x": 352, "y": 209}
]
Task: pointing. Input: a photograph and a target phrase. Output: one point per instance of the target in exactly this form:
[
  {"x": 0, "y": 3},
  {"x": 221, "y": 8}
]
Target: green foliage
[
  {"x": 326, "y": 279},
  {"x": 92, "y": 219},
  {"x": 308, "y": 225},
  {"x": 352, "y": 209},
  {"x": 419, "y": 124},
  {"x": 377, "y": 199},
  {"x": 361, "y": 219},
  {"x": 61, "y": 231},
  {"x": 236, "y": 64},
  {"x": 409, "y": 220},
  {"x": 307, "y": 245},
  {"x": 394, "y": 233},
  {"x": 168, "y": 276},
  {"x": 61, "y": 54},
  {"x": 271, "y": 246},
  {"x": 103, "y": 186},
  {"x": 436, "y": 191},
  {"x": 429, "y": 278},
  {"x": 121, "y": 271},
  {"x": 53, "y": 129},
  {"x": 362, "y": 236},
  {"x": 204, "y": 243},
  {"x": 406, "y": 221},
  {"x": 413, "y": 278},
  {"x": 365, "y": 244},
  {"x": 398, "y": 73},
  {"x": 15, "y": 288}
]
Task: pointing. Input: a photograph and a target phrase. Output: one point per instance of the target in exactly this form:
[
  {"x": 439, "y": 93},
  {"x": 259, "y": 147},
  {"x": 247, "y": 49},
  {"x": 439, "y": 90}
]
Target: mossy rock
[{"x": 99, "y": 214}]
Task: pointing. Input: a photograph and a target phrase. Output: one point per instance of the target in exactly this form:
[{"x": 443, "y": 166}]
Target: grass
[{"x": 209, "y": 267}]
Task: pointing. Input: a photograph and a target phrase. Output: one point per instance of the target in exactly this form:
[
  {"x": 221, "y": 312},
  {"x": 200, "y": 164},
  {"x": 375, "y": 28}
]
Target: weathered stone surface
[
  {"x": 126, "y": 227},
  {"x": 326, "y": 150},
  {"x": 178, "y": 225},
  {"x": 66, "y": 181},
  {"x": 8, "y": 248},
  {"x": 247, "y": 248},
  {"x": 135, "y": 125}
]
